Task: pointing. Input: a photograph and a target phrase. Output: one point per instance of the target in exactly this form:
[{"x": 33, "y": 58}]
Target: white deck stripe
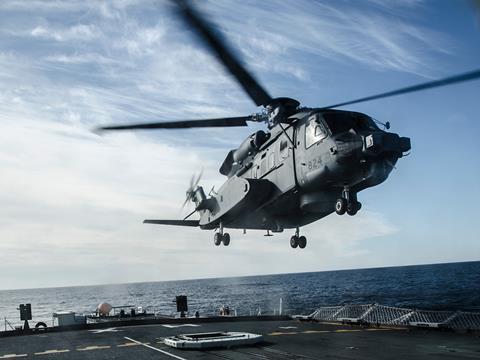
[
  {"x": 180, "y": 325},
  {"x": 154, "y": 348},
  {"x": 54, "y": 351}
]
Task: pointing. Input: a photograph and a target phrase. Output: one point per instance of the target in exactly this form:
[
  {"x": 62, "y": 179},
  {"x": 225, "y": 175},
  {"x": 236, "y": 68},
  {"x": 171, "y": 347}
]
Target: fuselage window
[
  {"x": 263, "y": 167},
  {"x": 283, "y": 149},
  {"x": 314, "y": 131},
  {"x": 271, "y": 161}
]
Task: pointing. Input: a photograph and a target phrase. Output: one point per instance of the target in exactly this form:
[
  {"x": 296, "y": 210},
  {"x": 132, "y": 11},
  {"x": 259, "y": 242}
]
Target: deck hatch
[{"x": 212, "y": 340}]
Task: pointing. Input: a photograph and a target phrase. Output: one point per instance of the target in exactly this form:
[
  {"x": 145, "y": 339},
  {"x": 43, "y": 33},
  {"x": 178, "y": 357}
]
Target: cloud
[
  {"x": 342, "y": 236},
  {"x": 79, "y": 32},
  {"x": 81, "y": 59},
  {"x": 342, "y": 32},
  {"x": 142, "y": 41}
]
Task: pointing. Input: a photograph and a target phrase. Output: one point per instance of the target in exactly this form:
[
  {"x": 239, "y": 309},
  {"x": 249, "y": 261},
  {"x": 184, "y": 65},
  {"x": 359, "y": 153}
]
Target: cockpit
[
  {"x": 337, "y": 122},
  {"x": 344, "y": 121}
]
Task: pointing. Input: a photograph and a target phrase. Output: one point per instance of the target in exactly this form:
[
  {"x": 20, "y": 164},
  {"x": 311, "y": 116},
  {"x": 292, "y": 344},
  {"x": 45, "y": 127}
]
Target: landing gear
[
  {"x": 298, "y": 241},
  {"x": 226, "y": 239},
  {"x": 353, "y": 208},
  {"x": 302, "y": 242},
  {"x": 347, "y": 203},
  {"x": 294, "y": 241},
  {"x": 217, "y": 239},
  {"x": 221, "y": 237},
  {"x": 341, "y": 206}
]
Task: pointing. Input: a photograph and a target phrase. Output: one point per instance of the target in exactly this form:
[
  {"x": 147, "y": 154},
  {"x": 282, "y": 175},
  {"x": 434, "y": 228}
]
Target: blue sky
[{"x": 73, "y": 202}]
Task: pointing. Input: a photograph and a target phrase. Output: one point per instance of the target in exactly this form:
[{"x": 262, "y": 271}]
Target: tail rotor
[{"x": 190, "y": 194}]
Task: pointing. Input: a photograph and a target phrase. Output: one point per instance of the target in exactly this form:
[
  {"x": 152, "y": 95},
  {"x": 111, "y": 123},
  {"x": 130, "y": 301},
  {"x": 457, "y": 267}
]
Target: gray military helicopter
[{"x": 308, "y": 163}]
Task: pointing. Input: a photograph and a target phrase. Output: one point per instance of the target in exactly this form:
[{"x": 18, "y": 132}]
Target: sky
[{"x": 73, "y": 202}]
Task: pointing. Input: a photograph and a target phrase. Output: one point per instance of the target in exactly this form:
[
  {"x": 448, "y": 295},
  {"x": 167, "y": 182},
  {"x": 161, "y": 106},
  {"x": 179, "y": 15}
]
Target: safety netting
[{"x": 376, "y": 314}]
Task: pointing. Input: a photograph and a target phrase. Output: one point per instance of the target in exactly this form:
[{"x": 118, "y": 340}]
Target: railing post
[
  {"x": 338, "y": 312},
  {"x": 368, "y": 311}
]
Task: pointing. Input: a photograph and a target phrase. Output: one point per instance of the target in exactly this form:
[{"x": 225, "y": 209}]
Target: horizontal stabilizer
[{"x": 173, "y": 222}]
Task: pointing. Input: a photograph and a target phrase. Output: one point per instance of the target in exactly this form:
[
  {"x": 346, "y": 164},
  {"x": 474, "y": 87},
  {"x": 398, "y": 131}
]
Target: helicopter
[{"x": 307, "y": 164}]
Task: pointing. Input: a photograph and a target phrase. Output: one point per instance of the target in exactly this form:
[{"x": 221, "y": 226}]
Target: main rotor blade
[
  {"x": 220, "y": 49},
  {"x": 428, "y": 85},
  {"x": 185, "y": 124}
]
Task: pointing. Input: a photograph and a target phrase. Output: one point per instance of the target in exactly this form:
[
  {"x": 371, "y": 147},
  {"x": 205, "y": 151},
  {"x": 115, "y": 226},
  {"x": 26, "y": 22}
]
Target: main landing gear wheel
[
  {"x": 226, "y": 239},
  {"x": 353, "y": 208},
  {"x": 294, "y": 241},
  {"x": 297, "y": 240},
  {"x": 302, "y": 242},
  {"x": 217, "y": 239},
  {"x": 341, "y": 206}
]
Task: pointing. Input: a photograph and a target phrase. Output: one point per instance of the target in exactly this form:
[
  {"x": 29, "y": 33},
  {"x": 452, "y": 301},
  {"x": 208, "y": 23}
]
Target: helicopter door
[
  {"x": 310, "y": 147},
  {"x": 285, "y": 171}
]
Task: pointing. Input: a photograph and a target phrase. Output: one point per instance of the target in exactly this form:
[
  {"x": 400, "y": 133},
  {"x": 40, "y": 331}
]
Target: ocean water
[{"x": 454, "y": 286}]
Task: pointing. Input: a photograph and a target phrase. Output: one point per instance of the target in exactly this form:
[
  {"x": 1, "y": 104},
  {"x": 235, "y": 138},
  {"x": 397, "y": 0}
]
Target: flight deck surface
[{"x": 283, "y": 339}]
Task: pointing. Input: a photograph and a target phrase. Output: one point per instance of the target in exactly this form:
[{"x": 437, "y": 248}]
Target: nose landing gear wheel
[
  {"x": 341, "y": 206},
  {"x": 217, "y": 239},
  {"x": 226, "y": 239},
  {"x": 353, "y": 208},
  {"x": 294, "y": 241},
  {"x": 302, "y": 242}
]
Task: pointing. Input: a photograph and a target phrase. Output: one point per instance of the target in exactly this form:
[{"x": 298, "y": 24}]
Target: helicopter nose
[{"x": 378, "y": 143}]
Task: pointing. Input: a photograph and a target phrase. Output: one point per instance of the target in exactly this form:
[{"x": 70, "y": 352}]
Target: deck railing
[{"x": 376, "y": 314}]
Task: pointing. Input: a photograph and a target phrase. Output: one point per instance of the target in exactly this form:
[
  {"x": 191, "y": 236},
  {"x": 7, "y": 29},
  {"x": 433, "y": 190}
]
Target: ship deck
[{"x": 283, "y": 339}]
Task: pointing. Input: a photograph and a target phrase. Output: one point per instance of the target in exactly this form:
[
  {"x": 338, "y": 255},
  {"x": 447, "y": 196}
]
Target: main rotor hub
[{"x": 280, "y": 109}]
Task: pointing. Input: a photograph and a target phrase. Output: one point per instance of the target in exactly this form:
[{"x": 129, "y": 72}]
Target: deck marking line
[
  {"x": 316, "y": 331},
  {"x": 287, "y": 327},
  {"x": 127, "y": 344},
  {"x": 94, "y": 347},
  {"x": 380, "y": 329},
  {"x": 11, "y": 356},
  {"x": 178, "y": 326},
  {"x": 154, "y": 348},
  {"x": 276, "y": 333},
  {"x": 53, "y": 351},
  {"x": 99, "y": 331}
]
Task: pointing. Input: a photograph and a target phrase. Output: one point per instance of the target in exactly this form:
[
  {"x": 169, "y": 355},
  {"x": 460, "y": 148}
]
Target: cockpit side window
[
  {"x": 340, "y": 122},
  {"x": 314, "y": 131}
]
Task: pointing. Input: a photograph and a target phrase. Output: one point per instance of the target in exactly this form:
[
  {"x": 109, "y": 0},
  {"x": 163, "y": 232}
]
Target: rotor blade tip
[{"x": 98, "y": 131}]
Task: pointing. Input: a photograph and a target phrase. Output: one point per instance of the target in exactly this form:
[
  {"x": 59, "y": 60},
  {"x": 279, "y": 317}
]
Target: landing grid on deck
[{"x": 374, "y": 314}]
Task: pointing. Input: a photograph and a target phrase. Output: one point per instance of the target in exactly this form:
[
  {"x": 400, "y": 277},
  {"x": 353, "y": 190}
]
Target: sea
[{"x": 452, "y": 286}]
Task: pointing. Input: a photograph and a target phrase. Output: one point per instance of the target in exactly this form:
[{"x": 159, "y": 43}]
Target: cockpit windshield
[{"x": 340, "y": 121}]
